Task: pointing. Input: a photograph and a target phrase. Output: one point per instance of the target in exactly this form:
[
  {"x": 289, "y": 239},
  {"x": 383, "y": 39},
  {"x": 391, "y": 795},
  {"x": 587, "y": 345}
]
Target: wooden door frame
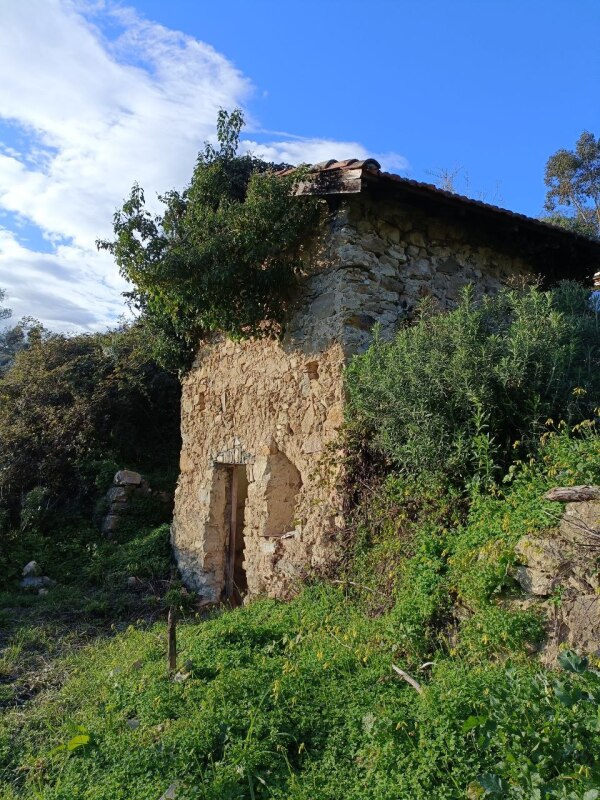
[{"x": 231, "y": 543}]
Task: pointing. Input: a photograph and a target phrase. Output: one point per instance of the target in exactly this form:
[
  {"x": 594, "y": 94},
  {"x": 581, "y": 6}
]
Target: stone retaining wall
[{"x": 559, "y": 574}]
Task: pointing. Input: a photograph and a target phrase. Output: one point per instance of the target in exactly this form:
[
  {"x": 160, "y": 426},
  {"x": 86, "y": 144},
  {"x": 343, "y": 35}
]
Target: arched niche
[{"x": 283, "y": 482}]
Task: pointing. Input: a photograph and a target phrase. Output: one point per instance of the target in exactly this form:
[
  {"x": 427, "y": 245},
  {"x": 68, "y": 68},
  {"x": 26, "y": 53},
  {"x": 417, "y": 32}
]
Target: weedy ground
[
  {"x": 299, "y": 700},
  {"x": 101, "y": 586}
]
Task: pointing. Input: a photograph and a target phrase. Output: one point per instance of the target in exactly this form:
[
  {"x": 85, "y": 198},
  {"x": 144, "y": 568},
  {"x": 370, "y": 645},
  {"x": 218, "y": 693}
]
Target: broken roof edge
[
  {"x": 369, "y": 164},
  {"x": 353, "y": 176}
]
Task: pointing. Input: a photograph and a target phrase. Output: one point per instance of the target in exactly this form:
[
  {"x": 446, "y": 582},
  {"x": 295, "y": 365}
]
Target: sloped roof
[{"x": 580, "y": 254}]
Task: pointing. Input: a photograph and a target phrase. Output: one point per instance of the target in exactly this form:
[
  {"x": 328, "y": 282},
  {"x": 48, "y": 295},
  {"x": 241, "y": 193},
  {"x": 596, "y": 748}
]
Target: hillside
[
  {"x": 300, "y": 700},
  {"x": 419, "y": 665}
]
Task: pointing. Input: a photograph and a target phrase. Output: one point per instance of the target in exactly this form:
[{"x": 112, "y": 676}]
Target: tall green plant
[
  {"x": 573, "y": 181},
  {"x": 67, "y": 402},
  {"x": 224, "y": 254},
  {"x": 456, "y": 393}
]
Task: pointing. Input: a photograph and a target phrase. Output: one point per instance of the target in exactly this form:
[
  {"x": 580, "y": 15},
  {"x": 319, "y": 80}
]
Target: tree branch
[{"x": 406, "y": 677}]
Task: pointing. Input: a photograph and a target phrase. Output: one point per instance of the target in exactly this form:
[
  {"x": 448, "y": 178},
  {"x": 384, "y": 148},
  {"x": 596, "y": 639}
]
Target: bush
[
  {"x": 72, "y": 411},
  {"x": 225, "y": 253},
  {"x": 144, "y": 554},
  {"x": 73, "y": 407},
  {"x": 442, "y": 570},
  {"x": 460, "y": 393}
]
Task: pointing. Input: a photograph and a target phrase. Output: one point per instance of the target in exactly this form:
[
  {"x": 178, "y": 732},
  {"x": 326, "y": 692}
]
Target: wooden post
[
  {"x": 232, "y": 531},
  {"x": 172, "y": 638}
]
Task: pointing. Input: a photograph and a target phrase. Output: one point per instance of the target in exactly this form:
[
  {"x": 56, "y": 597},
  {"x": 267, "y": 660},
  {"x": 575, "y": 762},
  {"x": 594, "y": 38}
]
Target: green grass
[
  {"x": 92, "y": 598},
  {"x": 286, "y": 701},
  {"x": 299, "y": 700}
]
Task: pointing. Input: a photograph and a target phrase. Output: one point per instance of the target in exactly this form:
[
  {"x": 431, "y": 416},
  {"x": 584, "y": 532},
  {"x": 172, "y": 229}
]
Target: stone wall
[
  {"x": 559, "y": 574},
  {"x": 284, "y": 408},
  {"x": 281, "y": 403},
  {"x": 382, "y": 259}
]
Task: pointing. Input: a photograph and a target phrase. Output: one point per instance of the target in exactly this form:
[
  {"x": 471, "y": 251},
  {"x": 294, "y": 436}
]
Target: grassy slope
[{"x": 299, "y": 700}]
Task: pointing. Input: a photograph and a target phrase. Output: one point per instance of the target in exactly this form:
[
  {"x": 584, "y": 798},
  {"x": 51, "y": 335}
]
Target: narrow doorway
[{"x": 236, "y": 584}]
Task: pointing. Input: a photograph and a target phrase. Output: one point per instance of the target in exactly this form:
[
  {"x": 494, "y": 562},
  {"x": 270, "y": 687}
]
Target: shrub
[
  {"x": 442, "y": 570},
  {"x": 145, "y": 554},
  {"x": 71, "y": 406},
  {"x": 224, "y": 254},
  {"x": 457, "y": 393}
]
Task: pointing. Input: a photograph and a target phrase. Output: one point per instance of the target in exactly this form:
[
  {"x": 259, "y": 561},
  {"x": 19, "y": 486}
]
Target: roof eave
[
  {"x": 349, "y": 181},
  {"x": 330, "y": 182}
]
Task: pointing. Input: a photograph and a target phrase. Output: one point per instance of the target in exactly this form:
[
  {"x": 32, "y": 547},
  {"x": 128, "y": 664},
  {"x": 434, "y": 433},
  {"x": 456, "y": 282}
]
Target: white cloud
[
  {"x": 73, "y": 288},
  {"x": 96, "y": 121},
  {"x": 298, "y": 150},
  {"x": 92, "y": 115}
]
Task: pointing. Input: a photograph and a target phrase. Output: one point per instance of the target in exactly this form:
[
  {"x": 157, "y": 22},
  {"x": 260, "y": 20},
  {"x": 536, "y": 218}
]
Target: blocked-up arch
[{"x": 281, "y": 492}]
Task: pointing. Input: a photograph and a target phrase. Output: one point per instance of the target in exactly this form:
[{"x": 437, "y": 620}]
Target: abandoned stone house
[{"x": 256, "y": 502}]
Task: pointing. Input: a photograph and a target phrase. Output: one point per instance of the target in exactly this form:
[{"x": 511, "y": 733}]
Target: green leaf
[
  {"x": 563, "y": 694},
  {"x": 472, "y": 722},
  {"x": 591, "y": 794},
  {"x": 81, "y": 740},
  {"x": 492, "y": 784},
  {"x": 572, "y": 662},
  {"x": 594, "y": 724}
]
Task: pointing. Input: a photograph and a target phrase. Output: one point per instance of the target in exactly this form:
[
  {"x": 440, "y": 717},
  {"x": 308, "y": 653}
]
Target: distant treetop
[{"x": 573, "y": 181}]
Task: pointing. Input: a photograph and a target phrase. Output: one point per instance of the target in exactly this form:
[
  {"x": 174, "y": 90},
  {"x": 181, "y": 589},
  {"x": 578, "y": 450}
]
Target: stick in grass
[
  {"x": 406, "y": 677},
  {"x": 172, "y": 637}
]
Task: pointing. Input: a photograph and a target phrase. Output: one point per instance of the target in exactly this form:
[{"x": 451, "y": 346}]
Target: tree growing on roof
[
  {"x": 573, "y": 181},
  {"x": 222, "y": 256}
]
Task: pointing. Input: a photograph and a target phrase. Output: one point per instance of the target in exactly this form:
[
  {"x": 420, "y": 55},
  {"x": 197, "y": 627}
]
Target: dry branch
[{"x": 406, "y": 677}]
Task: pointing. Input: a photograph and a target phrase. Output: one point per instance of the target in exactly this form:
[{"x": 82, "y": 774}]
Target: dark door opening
[{"x": 236, "y": 584}]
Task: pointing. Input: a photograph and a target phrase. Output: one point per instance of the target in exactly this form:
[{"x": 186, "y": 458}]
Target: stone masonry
[
  {"x": 270, "y": 411},
  {"x": 559, "y": 574}
]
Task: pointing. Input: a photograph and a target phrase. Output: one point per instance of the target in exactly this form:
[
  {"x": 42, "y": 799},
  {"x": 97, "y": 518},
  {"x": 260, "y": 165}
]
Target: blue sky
[
  {"x": 98, "y": 94},
  {"x": 494, "y": 86}
]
